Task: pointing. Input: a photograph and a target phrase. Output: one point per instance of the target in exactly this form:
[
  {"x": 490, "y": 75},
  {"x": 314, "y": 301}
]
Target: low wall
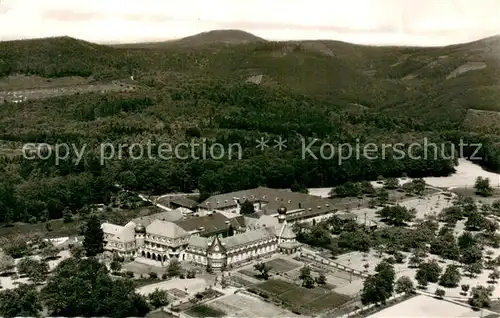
[{"x": 324, "y": 261}]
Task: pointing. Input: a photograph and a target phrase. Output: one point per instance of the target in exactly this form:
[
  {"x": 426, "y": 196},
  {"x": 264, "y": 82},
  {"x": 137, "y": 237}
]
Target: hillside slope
[
  {"x": 416, "y": 80},
  {"x": 328, "y": 91}
]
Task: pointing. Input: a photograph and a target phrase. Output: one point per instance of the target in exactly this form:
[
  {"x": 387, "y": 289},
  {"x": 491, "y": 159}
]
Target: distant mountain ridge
[
  {"x": 230, "y": 37},
  {"x": 427, "y": 84}
]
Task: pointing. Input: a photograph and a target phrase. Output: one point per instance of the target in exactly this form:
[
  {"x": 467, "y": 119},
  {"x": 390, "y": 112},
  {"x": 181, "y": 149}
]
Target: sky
[{"x": 377, "y": 22}]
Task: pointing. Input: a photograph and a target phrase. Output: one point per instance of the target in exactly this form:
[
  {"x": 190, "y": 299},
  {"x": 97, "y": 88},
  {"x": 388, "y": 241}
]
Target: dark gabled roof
[
  {"x": 238, "y": 222},
  {"x": 184, "y": 202},
  {"x": 226, "y": 200},
  {"x": 163, "y": 216},
  {"x": 216, "y": 245},
  {"x": 214, "y": 222},
  {"x": 346, "y": 216}
]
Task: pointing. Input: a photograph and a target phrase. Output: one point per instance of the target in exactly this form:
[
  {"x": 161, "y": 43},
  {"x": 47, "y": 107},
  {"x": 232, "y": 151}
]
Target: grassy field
[
  {"x": 302, "y": 300},
  {"x": 280, "y": 265},
  {"x": 57, "y": 228},
  {"x": 205, "y": 311}
]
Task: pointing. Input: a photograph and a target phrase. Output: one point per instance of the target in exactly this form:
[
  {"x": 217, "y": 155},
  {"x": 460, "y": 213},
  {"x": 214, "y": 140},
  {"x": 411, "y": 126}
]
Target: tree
[
  {"x": 6, "y": 262},
  {"x": 439, "y": 293},
  {"x": 230, "y": 230},
  {"x": 263, "y": 269},
  {"x": 367, "y": 188},
  {"x": 247, "y": 207},
  {"x": 421, "y": 279},
  {"x": 36, "y": 271},
  {"x": 414, "y": 261},
  {"x": 418, "y": 186},
  {"x": 494, "y": 276},
  {"x": 305, "y": 272},
  {"x": 465, "y": 288},
  {"x": 349, "y": 189},
  {"x": 385, "y": 271},
  {"x": 174, "y": 268},
  {"x": 475, "y": 222},
  {"x": 391, "y": 183},
  {"x": 23, "y": 301},
  {"x": 93, "y": 242},
  {"x": 158, "y": 298},
  {"x": 379, "y": 287},
  {"x": 479, "y": 297},
  {"x": 115, "y": 266},
  {"x": 308, "y": 282},
  {"x": 473, "y": 268},
  {"x": 405, "y": 285},
  {"x": 483, "y": 187},
  {"x": 298, "y": 187},
  {"x": 466, "y": 240},
  {"x": 451, "y": 277},
  {"x": 321, "y": 279},
  {"x": 16, "y": 248},
  {"x": 50, "y": 252},
  {"x": 382, "y": 196},
  {"x": 396, "y": 215},
  {"x": 77, "y": 251},
  {"x": 191, "y": 273},
  {"x": 428, "y": 272},
  {"x": 83, "y": 287},
  {"x": 67, "y": 215},
  {"x": 471, "y": 255}
]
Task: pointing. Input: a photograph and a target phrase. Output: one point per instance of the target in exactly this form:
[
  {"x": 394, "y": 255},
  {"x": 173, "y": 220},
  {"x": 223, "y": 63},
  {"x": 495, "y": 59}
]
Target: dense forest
[{"x": 200, "y": 94}]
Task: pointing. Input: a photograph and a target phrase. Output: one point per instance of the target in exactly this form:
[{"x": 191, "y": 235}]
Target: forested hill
[{"x": 229, "y": 87}]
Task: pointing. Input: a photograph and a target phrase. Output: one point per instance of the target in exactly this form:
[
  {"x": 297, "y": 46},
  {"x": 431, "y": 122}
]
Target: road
[{"x": 154, "y": 201}]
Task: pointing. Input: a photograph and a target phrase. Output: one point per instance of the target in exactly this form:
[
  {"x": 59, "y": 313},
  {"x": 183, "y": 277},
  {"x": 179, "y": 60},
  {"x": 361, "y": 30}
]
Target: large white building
[{"x": 209, "y": 244}]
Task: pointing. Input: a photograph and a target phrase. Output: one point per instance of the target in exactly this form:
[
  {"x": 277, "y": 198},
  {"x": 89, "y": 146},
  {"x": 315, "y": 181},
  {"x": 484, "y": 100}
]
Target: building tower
[
  {"x": 282, "y": 214},
  {"x": 216, "y": 255},
  {"x": 140, "y": 232}
]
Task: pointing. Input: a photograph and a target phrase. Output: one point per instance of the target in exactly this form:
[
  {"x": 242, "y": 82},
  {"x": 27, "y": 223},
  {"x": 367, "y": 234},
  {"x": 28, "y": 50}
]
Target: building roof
[
  {"x": 346, "y": 216},
  {"x": 110, "y": 228},
  {"x": 119, "y": 233},
  {"x": 246, "y": 238},
  {"x": 216, "y": 246},
  {"x": 286, "y": 232},
  {"x": 263, "y": 221},
  {"x": 183, "y": 210},
  {"x": 238, "y": 222},
  {"x": 184, "y": 202},
  {"x": 171, "y": 216},
  {"x": 165, "y": 228},
  {"x": 273, "y": 199},
  {"x": 214, "y": 222},
  {"x": 226, "y": 200},
  {"x": 198, "y": 241}
]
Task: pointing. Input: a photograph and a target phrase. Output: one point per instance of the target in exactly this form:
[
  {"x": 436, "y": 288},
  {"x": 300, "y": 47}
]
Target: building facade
[{"x": 165, "y": 240}]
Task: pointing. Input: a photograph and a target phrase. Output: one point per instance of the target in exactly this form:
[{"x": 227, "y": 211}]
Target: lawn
[
  {"x": 280, "y": 265},
  {"x": 57, "y": 228},
  {"x": 239, "y": 280},
  {"x": 300, "y": 299},
  {"x": 204, "y": 311},
  {"x": 276, "y": 286}
]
